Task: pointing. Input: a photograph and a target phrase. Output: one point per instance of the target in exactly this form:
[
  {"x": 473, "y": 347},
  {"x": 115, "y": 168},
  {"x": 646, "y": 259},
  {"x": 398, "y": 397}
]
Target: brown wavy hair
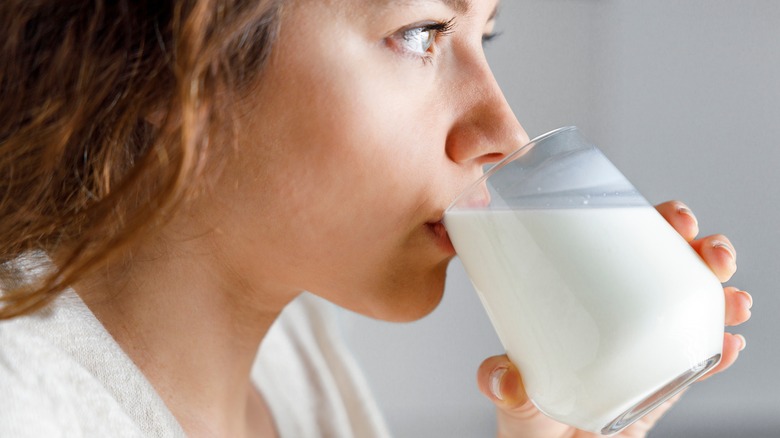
[{"x": 106, "y": 112}]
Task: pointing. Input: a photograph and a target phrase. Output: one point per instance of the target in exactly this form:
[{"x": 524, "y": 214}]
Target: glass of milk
[{"x": 603, "y": 307}]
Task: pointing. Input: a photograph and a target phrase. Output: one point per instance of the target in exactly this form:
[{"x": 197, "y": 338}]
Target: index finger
[{"x": 680, "y": 217}]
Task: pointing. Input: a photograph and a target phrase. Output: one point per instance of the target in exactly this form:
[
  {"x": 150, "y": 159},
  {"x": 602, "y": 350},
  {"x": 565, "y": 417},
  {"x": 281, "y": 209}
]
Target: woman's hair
[{"x": 107, "y": 109}]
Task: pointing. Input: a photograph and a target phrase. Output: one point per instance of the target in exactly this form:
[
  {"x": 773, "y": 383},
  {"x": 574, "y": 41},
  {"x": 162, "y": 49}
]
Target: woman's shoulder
[
  {"x": 62, "y": 374},
  {"x": 46, "y": 392}
]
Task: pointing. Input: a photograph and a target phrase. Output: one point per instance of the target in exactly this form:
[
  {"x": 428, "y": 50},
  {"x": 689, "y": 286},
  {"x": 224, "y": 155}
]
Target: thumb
[{"x": 500, "y": 381}]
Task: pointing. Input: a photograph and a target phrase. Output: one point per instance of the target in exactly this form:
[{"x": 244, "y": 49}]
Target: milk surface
[{"x": 598, "y": 307}]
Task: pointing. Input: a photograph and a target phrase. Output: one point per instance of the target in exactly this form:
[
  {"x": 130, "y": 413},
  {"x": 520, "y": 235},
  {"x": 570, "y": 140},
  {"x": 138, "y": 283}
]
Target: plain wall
[{"x": 684, "y": 96}]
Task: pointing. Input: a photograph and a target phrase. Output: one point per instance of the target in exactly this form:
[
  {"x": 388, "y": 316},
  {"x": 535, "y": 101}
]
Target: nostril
[{"x": 495, "y": 156}]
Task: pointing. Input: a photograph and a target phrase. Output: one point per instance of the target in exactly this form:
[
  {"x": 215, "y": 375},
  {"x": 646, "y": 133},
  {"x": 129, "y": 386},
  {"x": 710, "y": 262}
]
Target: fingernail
[
  {"x": 744, "y": 342},
  {"x": 719, "y": 244},
  {"x": 687, "y": 211},
  {"x": 749, "y": 298},
  {"x": 495, "y": 382}
]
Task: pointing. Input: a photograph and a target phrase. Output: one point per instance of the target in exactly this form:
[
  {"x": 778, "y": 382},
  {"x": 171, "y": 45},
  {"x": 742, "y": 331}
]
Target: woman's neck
[{"x": 193, "y": 327}]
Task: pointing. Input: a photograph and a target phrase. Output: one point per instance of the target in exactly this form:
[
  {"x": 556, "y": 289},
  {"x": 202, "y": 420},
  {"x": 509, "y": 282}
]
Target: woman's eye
[
  {"x": 418, "y": 40},
  {"x": 488, "y": 37}
]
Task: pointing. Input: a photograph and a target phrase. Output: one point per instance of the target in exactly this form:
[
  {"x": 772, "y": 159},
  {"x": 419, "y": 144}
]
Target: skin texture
[
  {"x": 349, "y": 148},
  {"x": 362, "y": 145}
]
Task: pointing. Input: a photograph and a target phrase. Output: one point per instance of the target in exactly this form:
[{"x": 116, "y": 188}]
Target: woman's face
[{"x": 369, "y": 118}]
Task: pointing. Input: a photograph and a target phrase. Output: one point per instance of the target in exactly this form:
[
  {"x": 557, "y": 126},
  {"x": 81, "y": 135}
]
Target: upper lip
[
  {"x": 439, "y": 218},
  {"x": 438, "y": 224}
]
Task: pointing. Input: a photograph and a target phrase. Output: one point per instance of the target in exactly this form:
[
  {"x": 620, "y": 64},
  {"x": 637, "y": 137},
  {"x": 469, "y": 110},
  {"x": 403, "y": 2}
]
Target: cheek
[
  {"x": 338, "y": 160},
  {"x": 355, "y": 102},
  {"x": 352, "y": 145}
]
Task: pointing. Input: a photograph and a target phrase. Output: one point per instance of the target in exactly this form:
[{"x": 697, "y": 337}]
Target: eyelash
[
  {"x": 439, "y": 29},
  {"x": 490, "y": 37}
]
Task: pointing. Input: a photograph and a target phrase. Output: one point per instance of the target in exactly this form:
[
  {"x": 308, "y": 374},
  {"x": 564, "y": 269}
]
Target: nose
[{"x": 485, "y": 129}]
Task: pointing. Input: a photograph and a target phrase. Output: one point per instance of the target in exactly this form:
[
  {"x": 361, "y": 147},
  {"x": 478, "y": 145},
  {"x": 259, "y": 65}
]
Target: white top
[{"x": 63, "y": 375}]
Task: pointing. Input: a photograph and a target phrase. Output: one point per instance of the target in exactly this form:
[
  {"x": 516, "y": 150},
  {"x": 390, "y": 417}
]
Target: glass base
[{"x": 654, "y": 400}]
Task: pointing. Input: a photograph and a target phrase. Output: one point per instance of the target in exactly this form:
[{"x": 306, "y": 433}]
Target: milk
[{"x": 600, "y": 308}]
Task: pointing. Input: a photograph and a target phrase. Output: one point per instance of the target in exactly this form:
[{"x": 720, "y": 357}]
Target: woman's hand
[{"x": 500, "y": 380}]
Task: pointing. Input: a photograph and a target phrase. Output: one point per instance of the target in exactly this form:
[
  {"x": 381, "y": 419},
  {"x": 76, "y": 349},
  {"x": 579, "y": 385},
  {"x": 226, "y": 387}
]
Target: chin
[
  {"x": 402, "y": 296},
  {"x": 410, "y": 298}
]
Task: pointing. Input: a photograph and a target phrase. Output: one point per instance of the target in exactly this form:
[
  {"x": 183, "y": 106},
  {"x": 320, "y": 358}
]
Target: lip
[{"x": 442, "y": 239}]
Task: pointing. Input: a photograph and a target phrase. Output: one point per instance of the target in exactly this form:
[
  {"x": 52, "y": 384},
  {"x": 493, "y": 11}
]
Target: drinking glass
[{"x": 605, "y": 309}]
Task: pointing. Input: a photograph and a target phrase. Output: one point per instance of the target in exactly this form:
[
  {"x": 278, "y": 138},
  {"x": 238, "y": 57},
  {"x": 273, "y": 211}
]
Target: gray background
[{"x": 684, "y": 96}]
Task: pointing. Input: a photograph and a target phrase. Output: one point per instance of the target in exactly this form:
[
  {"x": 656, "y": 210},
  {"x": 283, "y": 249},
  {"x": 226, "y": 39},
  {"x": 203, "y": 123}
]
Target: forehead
[{"x": 460, "y": 6}]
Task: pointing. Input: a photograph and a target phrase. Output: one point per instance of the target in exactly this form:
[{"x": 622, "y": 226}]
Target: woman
[{"x": 177, "y": 173}]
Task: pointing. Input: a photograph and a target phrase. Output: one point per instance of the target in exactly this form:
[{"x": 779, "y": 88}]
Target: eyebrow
[
  {"x": 459, "y": 6},
  {"x": 494, "y": 14}
]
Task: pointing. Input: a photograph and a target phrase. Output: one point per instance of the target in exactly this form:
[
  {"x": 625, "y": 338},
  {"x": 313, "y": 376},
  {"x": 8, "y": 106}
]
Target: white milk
[{"x": 598, "y": 307}]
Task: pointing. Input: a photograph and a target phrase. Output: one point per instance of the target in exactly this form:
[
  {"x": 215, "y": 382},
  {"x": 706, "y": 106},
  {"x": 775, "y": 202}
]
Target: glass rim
[{"x": 504, "y": 161}]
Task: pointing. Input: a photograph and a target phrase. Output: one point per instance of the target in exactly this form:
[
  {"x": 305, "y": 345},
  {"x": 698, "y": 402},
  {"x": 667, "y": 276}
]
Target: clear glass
[{"x": 604, "y": 308}]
